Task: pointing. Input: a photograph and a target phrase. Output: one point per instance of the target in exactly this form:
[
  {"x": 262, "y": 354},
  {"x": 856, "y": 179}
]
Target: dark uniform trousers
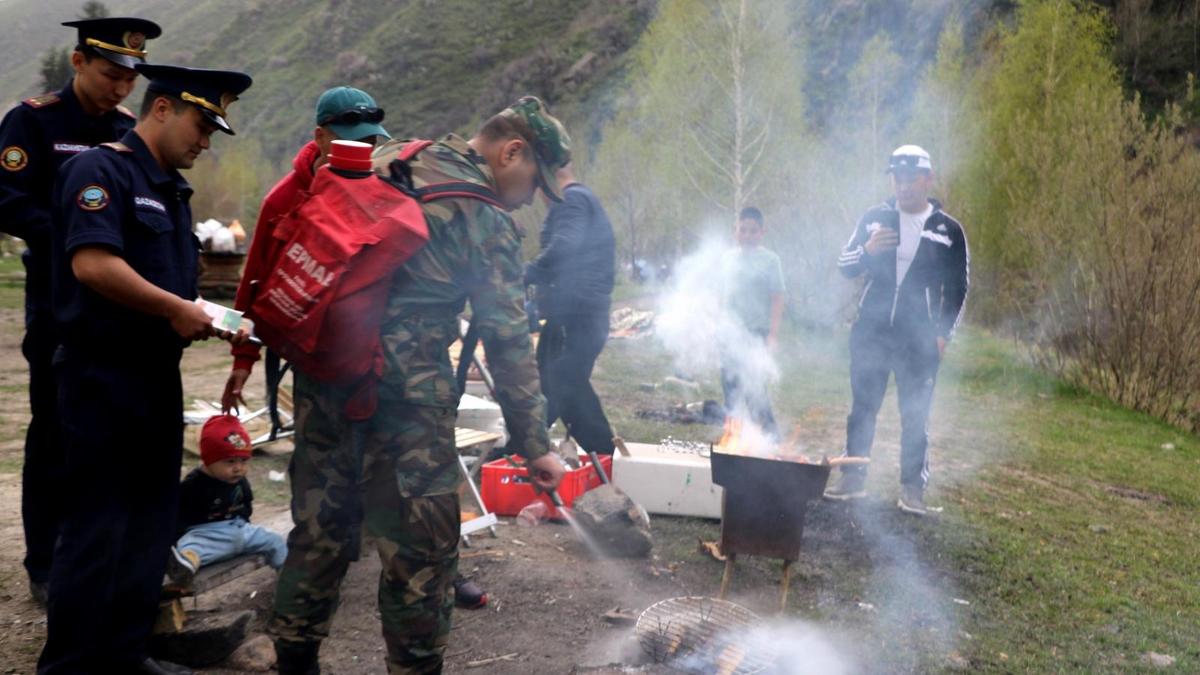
[
  {"x": 49, "y": 130},
  {"x": 120, "y": 405},
  {"x": 42, "y": 474},
  {"x": 122, "y": 439},
  {"x": 566, "y": 354},
  {"x": 877, "y": 351}
]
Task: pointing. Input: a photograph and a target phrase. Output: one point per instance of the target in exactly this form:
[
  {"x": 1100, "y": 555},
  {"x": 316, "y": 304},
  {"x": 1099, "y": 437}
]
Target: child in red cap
[{"x": 215, "y": 503}]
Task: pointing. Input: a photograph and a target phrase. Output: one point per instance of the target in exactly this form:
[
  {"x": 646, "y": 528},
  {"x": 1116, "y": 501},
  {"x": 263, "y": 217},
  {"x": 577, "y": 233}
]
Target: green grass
[
  {"x": 1070, "y": 524},
  {"x": 625, "y": 290},
  {"x": 12, "y": 277},
  {"x": 1089, "y": 526},
  {"x": 12, "y": 296}
]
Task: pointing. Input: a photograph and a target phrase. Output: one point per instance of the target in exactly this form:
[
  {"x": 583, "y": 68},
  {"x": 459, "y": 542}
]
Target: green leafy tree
[
  {"x": 717, "y": 100},
  {"x": 944, "y": 115},
  {"x": 1029, "y": 96},
  {"x": 230, "y": 182},
  {"x": 56, "y": 68},
  {"x": 626, "y": 171},
  {"x": 94, "y": 9},
  {"x": 872, "y": 87}
]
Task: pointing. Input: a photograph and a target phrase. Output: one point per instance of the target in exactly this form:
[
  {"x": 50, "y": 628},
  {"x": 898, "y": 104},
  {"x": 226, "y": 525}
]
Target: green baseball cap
[
  {"x": 350, "y": 113},
  {"x": 551, "y": 144}
]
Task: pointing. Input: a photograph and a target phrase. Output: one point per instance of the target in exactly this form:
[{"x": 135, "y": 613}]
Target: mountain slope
[{"x": 435, "y": 66}]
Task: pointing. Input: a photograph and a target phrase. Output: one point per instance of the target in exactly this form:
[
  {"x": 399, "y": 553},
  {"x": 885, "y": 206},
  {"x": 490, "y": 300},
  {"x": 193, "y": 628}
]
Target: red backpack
[{"x": 323, "y": 303}]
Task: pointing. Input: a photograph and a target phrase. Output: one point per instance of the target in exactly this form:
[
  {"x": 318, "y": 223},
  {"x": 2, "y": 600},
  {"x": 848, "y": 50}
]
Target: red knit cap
[{"x": 222, "y": 437}]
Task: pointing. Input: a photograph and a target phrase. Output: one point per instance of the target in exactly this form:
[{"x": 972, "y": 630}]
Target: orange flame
[
  {"x": 737, "y": 439},
  {"x": 729, "y": 439}
]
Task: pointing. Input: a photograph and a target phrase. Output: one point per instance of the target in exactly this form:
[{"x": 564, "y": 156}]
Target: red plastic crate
[{"x": 506, "y": 488}]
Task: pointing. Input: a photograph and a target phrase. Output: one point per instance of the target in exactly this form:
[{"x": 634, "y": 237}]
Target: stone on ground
[
  {"x": 620, "y": 527},
  {"x": 207, "y": 638},
  {"x": 256, "y": 655}
]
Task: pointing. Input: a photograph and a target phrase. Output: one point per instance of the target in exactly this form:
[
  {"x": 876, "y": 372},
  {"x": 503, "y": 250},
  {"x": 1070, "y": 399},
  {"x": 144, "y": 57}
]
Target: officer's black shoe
[
  {"x": 153, "y": 667},
  {"x": 468, "y": 594},
  {"x": 39, "y": 591},
  {"x": 297, "y": 658}
]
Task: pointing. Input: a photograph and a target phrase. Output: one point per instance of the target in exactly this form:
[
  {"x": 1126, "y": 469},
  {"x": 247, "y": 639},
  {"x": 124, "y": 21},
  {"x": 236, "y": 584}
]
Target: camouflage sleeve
[{"x": 498, "y": 311}]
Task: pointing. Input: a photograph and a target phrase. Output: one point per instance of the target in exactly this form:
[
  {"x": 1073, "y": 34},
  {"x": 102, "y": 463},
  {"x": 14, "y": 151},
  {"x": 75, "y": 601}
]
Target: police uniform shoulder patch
[
  {"x": 92, "y": 198},
  {"x": 126, "y": 112},
  {"x": 14, "y": 158},
  {"x": 118, "y": 146},
  {"x": 43, "y": 100}
]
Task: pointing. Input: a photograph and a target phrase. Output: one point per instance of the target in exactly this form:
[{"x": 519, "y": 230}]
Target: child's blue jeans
[{"x": 226, "y": 539}]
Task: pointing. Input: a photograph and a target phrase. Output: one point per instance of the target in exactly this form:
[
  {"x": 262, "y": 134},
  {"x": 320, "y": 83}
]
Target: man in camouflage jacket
[{"x": 396, "y": 474}]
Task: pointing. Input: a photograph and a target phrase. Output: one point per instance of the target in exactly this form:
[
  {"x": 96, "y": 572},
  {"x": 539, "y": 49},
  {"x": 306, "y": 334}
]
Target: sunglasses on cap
[{"x": 356, "y": 116}]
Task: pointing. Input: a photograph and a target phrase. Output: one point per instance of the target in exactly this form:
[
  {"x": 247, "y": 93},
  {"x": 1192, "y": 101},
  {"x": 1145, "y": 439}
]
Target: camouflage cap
[{"x": 551, "y": 144}]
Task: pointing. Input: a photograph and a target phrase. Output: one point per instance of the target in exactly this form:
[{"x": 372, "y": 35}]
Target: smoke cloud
[{"x": 700, "y": 331}]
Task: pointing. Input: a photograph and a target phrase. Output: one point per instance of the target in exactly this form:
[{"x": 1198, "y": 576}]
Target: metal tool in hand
[
  {"x": 599, "y": 469},
  {"x": 552, "y": 493}
]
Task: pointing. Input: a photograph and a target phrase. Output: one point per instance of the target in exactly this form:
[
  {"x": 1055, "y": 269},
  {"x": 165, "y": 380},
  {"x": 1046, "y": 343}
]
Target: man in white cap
[{"x": 915, "y": 260}]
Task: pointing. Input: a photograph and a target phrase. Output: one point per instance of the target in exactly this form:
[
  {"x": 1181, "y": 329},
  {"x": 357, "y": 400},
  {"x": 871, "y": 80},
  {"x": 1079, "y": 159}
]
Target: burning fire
[{"x": 748, "y": 440}]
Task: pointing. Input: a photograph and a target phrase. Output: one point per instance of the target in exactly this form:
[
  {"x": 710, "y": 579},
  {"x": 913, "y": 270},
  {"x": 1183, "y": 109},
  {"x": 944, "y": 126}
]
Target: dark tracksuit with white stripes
[{"x": 898, "y": 326}]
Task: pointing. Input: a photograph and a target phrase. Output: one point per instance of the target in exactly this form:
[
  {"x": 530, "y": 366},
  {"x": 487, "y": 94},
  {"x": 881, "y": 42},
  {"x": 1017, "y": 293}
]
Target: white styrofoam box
[
  {"x": 667, "y": 481},
  {"x": 481, "y": 414}
]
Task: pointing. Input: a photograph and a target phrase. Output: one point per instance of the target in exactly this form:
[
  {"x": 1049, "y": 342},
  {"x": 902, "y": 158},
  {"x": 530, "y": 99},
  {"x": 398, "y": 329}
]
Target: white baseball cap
[{"x": 909, "y": 157}]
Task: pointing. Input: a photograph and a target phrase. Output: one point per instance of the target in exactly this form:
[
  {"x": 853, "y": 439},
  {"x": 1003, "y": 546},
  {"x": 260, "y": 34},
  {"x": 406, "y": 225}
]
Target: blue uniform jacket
[
  {"x": 36, "y": 138},
  {"x": 118, "y": 197}
]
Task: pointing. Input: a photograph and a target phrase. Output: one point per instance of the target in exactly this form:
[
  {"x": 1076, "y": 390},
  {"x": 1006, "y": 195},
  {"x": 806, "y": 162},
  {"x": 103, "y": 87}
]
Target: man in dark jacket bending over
[{"x": 574, "y": 279}]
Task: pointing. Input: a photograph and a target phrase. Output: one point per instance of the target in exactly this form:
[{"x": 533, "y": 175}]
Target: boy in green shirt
[{"x": 753, "y": 295}]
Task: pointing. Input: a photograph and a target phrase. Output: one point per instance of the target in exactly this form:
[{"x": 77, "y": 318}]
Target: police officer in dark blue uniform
[
  {"x": 36, "y": 138},
  {"x": 124, "y": 263}
]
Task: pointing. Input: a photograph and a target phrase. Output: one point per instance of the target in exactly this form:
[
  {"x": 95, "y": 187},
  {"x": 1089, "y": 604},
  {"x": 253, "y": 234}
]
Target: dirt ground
[{"x": 548, "y": 595}]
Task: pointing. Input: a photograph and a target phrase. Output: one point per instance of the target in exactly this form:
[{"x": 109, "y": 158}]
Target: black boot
[
  {"x": 468, "y": 594},
  {"x": 297, "y": 658},
  {"x": 154, "y": 667},
  {"x": 40, "y": 592}
]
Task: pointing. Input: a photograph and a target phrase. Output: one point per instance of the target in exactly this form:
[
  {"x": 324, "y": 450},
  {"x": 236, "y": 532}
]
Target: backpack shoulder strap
[
  {"x": 400, "y": 175},
  {"x": 413, "y": 149},
  {"x": 454, "y": 189},
  {"x": 466, "y": 357}
]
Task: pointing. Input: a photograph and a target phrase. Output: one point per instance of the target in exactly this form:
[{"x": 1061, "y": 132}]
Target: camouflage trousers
[{"x": 393, "y": 477}]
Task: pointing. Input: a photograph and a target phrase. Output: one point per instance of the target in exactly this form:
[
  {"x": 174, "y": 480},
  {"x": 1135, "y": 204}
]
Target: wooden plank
[
  {"x": 284, "y": 397},
  {"x": 476, "y": 524},
  {"x": 212, "y": 576},
  {"x": 170, "y": 617},
  {"x": 467, "y": 438}
]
